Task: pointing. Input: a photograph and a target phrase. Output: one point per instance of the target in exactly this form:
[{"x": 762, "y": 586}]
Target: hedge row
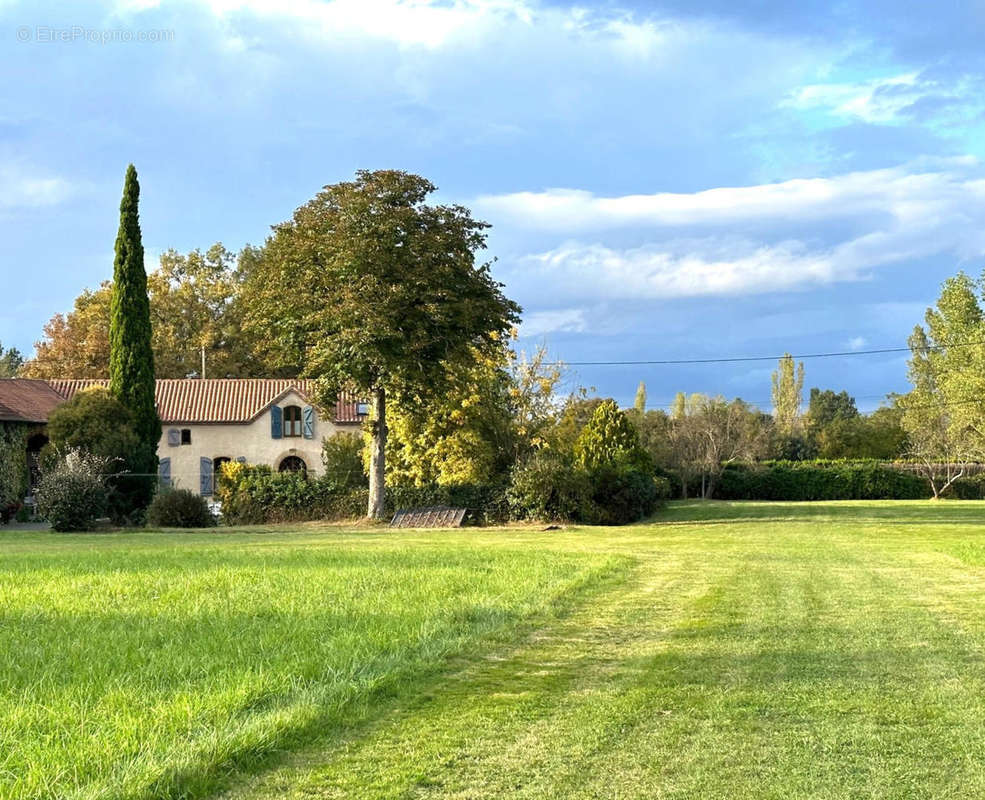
[
  {"x": 543, "y": 491},
  {"x": 833, "y": 480},
  {"x": 255, "y": 494}
]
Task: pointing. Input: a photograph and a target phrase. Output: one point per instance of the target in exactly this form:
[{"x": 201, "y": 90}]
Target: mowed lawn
[{"x": 722, "y": 650}]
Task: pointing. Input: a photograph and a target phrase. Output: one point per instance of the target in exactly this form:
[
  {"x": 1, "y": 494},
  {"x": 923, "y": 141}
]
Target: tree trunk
[{"x": 377, "y": 458}]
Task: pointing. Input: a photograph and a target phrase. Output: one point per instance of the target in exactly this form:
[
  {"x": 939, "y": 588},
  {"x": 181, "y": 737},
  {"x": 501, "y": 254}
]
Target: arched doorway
[{"x": 293, "y": 464}]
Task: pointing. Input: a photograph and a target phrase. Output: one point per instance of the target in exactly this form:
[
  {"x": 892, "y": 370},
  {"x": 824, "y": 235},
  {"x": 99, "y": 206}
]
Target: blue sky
[{"x": 665, "y": 180}]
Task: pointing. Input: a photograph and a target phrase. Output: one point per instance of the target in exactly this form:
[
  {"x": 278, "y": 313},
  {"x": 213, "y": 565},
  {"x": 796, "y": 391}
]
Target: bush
[
  {"x": 622, "y": 494},
  {"x": 95, "y": 422},
  {"x": 551, "y": 488},
  {"x": 820, "y": 480},
  {"x": 179, "y": 508},
  {"x": 342, "y": 458},
  {"x": 72, "y": 494}
]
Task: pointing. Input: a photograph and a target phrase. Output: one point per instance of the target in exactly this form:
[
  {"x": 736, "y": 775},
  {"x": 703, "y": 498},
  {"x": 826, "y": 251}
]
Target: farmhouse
[{"x": 205, "y": 423}]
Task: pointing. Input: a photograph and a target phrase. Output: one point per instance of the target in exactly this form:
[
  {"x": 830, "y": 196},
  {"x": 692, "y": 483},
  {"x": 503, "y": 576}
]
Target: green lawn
[{"x": 726, "y": 650}]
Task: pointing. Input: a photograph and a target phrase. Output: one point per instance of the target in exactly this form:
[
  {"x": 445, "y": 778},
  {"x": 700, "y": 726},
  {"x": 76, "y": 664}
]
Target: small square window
[
  {"x": 362, "y": 409},
  {"x": 186, "y": 436}
]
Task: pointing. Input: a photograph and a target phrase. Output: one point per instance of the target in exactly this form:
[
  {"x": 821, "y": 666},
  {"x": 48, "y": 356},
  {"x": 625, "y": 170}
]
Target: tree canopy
[
  {"x": 195, "y": 301},
  {"x": 370, "y": 287}
]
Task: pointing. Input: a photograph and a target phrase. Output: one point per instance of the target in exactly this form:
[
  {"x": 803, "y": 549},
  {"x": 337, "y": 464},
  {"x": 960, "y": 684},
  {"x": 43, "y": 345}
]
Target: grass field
[{"x": 725, "y": 650}]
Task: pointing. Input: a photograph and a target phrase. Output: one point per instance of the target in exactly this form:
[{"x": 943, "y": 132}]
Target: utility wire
[{"x": 740, "y": 359}]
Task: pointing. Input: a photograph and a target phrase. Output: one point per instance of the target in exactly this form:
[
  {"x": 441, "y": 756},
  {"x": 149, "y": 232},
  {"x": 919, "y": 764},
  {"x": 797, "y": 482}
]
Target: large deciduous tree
[
  {"x": 195, "y": 302},
  {"x": 944, "y": 414},
  {"x": 131, "y": 359},
  {"x": 76, "y": 344},
  {"x": 370, "y": 287}
]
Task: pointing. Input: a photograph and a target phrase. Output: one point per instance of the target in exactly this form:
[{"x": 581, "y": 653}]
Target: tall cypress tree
[{"x": 131, "y": 360}]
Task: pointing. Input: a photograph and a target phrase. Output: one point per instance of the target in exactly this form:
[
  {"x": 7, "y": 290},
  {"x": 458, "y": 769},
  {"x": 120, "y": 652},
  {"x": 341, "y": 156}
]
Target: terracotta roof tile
[
  {"x": 220, "y": 400},
  {"x": 24, "y": 400}
]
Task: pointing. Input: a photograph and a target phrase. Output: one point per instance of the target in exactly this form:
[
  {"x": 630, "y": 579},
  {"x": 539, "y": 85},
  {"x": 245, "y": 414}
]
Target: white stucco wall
[{"x": 251, "y": 441}]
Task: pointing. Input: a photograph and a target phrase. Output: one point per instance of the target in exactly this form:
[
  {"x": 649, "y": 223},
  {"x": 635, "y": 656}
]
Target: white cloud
[
  {"x": 538, "y": 323},
  {"x": 23, "y": 187},
  {"x": 877, "y": 100},
  {"x": 657, "y": 272},
  {"x": 857, "y": 343},
  {"x": 809, "y": 199},
  {"x": 846, "y": 227},
  {"x": 880, "y": 100}
]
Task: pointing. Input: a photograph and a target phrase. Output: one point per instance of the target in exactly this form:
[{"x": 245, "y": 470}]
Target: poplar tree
[
  {"x": 640, "y": 403},
  {"x": 131, "y": 360},
  {"x": 788, "y": 393}
]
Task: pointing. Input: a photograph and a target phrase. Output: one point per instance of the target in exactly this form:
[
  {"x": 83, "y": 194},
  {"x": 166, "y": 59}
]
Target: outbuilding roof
[
  {"x": 24, "y": 400},
  {"x": 220, "y": 400}
]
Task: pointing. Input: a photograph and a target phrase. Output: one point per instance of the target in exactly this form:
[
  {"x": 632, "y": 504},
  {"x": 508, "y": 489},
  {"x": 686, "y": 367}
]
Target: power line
[{"x": 741, "y": 359}]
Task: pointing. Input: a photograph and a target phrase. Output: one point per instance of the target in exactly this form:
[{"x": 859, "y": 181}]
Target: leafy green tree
[
  {"x": 884, "y": 436},
  {"x": 370, "y": 287},
  {"x": 469, "y": 435},
  {"x": 788, "y": 394},
  {"x": 571, "y": 419},
  {"x": 944, "y": 414},
  {"x": 196, "y": 304},
  {"x": 10, "y": 362},
  {"x": 610, "y": 438},
  {"x": 826, "y": 406},
  {"x": 653, "y": 427},
  {"x": 131, "y": 359}
]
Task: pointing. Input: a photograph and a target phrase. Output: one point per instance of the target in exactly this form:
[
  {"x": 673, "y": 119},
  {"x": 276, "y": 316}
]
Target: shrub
[
  {"x": 179, "y": 508},
  {"x": 549, "y": 487},
  {"x": 72, "y": 494},
  {"x": 95, "y": 422},
  {"x": 622, "y": 494},
  {"x": 342, "y": 458}
]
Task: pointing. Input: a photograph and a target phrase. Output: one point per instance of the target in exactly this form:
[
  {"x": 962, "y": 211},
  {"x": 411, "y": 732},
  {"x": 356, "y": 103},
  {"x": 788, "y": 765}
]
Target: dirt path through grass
[{"x": 783, "y": 655}]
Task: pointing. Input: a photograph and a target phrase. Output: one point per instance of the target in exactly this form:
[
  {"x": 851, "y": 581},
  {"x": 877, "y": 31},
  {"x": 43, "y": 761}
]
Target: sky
[{"x": 665, "y": 180}]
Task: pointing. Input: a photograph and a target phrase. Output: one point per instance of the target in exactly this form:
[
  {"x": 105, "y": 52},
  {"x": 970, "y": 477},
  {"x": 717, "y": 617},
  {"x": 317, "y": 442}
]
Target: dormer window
[{"x": 292, "y": 421}]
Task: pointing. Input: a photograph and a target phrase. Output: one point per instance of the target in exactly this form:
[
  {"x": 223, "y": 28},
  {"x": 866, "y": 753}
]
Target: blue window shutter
[
  {"x": 240, "y": 459},
  {"x": 205, "y": 476},
  {"x": 276, "y": 422},
  {"x": 308, "y": 422},
  {"x": 164, "y": 471},
  {"x": 174, "y": 437}
]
